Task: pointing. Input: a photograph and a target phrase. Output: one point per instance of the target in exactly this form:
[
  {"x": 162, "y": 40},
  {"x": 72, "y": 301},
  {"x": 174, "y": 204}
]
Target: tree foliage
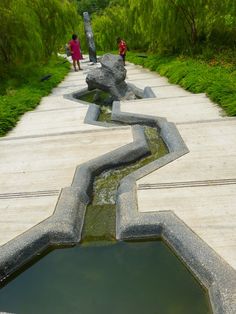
[
  {"x": 55, "y": 18},
  {"x": 32, "y": 30},
  {"x": 92, "y": 6},
  {"x": 166, "y": 25},
  {"x": 17, "y": 41}
]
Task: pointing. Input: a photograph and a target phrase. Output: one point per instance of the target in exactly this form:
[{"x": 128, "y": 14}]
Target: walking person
[
  {"x": 122, "y": 48},
  {"x": 75, "y": 50}
]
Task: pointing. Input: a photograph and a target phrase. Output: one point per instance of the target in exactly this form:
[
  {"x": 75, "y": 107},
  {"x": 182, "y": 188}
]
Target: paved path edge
[{"x": 64, "y": 227}]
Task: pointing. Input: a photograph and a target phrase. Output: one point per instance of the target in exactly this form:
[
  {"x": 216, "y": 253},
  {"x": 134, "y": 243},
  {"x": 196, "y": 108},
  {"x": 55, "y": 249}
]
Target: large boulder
[{"x": 110, "y": 77}]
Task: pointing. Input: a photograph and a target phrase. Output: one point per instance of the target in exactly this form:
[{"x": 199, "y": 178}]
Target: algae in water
[
  {"x": 100, "y": 218},
  {"x": 106, "y": 184}
]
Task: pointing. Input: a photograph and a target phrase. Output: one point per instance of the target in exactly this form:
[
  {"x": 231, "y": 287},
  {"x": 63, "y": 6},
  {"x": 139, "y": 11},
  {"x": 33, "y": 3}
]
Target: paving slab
[
  {"x": 60, "y": 91},
  {"x": 188, "y": 108},
  {"x": 152, "y": 82},
  {"x": 199, "y": 187},
  {"x": 143, "y": 77},
  {"x": 20, "y": 213},
  {"x": 34, "y": 168},
  {"x": 54, "y": 103},
  {"x": 52, "y": 121},
  {"x": 57, "y": 153},
  {"x": 170, "y": 91},
  {"x": 39, "y": 157},
  {"x": 159, "y": 84},
  {"x": 136, "y": 76}
]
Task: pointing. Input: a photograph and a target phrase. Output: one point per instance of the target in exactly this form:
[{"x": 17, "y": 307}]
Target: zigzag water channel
[
  {"x": 128, "y": 226},
  {"x": 99, "y": 225}
]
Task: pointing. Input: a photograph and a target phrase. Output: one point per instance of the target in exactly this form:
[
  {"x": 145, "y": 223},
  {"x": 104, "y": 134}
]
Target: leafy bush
[{"x": 23, "y": 93}]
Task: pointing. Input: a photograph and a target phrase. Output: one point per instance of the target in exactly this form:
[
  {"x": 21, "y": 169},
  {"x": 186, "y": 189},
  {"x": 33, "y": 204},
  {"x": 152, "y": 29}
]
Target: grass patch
[
  {"x": 215, "y": 76},
  {"x": 23, "y": 91}
]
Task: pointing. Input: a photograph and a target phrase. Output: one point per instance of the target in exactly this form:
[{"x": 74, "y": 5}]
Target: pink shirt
[{"x": 75, "y": 48}]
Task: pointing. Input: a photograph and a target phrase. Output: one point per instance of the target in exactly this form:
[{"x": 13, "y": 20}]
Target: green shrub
[{"x": 23, "y": 92}]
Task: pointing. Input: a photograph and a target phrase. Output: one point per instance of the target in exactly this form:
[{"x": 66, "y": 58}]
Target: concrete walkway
[
  {"x": 40, "y": 155},
  {"x": 200, "y": 186}
]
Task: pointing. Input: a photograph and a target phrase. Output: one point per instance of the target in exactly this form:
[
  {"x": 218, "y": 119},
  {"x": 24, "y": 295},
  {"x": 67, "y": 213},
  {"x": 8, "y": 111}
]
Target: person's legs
[
  {"x": 79, "y": 65},
  {"x": 123, "y": 58},
  {"x": 74, "y": 64},
  {"x": 124, "y": 55}
]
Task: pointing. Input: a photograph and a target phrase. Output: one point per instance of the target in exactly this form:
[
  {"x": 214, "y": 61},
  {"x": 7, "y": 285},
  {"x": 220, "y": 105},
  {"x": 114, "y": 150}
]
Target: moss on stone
[
  {"x": 100, "y": 221},
  {"x": 105, "y": 114}
]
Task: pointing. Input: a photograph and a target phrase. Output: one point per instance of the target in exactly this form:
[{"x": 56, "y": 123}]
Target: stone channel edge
[{"x": 64, "y": 227}]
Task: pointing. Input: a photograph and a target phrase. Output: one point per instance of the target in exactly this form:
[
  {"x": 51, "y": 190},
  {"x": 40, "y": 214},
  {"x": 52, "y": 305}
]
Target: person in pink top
[{"x": 76, "y": 54}]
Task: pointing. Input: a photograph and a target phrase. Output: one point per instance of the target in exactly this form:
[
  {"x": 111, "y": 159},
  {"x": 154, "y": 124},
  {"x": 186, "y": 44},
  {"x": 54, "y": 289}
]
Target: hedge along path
[{"x": 24, "y": 93}]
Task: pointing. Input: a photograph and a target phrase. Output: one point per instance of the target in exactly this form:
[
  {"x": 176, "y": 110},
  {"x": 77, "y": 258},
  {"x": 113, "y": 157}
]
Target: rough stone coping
[
  {"x": 64, "y": 227},
  {"x": 217, "y": 276},
  {"x": 94, "y": 110},
  {"x": 212, "y": 271}
]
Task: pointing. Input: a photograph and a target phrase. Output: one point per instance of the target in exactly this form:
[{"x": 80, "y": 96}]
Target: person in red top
[
  {"x": 76, "y": 54},
  {"x": 122, "y": 48}
]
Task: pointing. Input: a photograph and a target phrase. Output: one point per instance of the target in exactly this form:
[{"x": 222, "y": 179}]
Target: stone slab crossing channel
[{"x": 39, "y": 158}]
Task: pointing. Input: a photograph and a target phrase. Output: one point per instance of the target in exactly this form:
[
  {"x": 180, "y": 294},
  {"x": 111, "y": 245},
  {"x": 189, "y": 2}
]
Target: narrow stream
[{"x": 100, "y": 215}]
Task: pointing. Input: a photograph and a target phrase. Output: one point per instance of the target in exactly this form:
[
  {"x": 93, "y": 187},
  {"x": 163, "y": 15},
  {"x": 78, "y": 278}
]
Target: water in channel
[
  {"x": 127, "y": 278},
  {"x": 101, "y": 213},
  {"x": 103, "y": 276}
]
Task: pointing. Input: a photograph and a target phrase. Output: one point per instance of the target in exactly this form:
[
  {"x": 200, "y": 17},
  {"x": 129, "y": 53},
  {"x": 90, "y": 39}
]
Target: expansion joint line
[
  {"x": 29, "y": 194},
  {"x": 186, "y": 184}
]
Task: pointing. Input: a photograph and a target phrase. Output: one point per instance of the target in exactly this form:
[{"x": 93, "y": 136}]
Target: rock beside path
[{"x": 110, "y": 77}]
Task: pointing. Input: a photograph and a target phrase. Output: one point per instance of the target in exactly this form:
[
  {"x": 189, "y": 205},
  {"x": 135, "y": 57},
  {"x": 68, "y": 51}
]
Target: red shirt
[{"x": 122, "y": 47}]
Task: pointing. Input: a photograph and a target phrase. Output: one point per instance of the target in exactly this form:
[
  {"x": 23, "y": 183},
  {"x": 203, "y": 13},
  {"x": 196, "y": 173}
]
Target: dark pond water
[{"x": 121, "y": 278}]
